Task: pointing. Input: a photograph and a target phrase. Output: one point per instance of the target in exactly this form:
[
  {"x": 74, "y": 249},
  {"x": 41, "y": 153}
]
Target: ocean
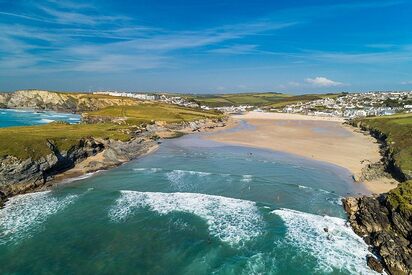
[
  {"x": 192, "y": 207},
  {"x": 23, "y": 117}
]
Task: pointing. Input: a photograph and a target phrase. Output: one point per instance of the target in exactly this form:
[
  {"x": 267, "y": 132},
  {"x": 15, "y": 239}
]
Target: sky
[{"x": 214, "y": 46}]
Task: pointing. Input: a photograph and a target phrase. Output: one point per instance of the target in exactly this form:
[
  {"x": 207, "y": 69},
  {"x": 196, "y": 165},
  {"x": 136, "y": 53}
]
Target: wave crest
[{"x": 232, "y": 221}]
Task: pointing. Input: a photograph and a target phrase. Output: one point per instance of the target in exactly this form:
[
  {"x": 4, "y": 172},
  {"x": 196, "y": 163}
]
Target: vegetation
[
  {"x": 223, "y": 100},
  {"x": 270, "y": 100},
  {"x": 149, "y": 112},
  {"x": 398, "y": 129},
  {"x": 301, "y": 98},
  {"x": 31, "y": 141},
  {"x": 401, "y": 197}
]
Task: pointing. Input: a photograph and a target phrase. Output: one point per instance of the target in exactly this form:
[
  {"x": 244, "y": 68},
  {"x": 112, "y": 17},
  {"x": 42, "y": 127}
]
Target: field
[
  {"x": 269, "y": 100},
  {"x": 237, "y": 99},
  {"x": 149, "y": 112},
  {"x": 25, "y": 142},
  {"x": 398, "y": 129}
]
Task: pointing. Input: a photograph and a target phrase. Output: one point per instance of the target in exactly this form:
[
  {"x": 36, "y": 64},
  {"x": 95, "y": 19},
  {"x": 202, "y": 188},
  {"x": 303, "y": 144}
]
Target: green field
[
  {"x": 398, "y": 130},
  {"x": 266, "y": 100},
  {"x": 149, "y": 112},
  {"x": 222, "y": 100},
  {"x": 31, "y": 141}
]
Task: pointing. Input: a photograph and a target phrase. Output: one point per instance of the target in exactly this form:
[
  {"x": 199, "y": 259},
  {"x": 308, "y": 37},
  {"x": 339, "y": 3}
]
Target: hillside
[
  {"x": 264, "y": 100},
  {"x": 64, "y": 102},
  {"x": 385, "y": 221},
  {"x": 396, "y": 131}
]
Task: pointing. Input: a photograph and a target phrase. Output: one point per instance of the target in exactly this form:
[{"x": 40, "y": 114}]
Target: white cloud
[
  {"x": 406, "y": 82},
  {"x": 321, "y": 81}
]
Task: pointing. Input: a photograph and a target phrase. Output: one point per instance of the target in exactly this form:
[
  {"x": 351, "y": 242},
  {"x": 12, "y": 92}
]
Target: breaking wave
[
  {"x": 183, "y": 179},
  {"x": 232, "y": 221},
  {"x": 24, "y": 214},
  {"x": 337, "y": 249},
  {"x": 45, "y": 120},
  {"x": 247, "y": 178}
]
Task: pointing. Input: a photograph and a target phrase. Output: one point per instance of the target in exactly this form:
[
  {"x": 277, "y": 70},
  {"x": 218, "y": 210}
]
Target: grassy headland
[
  {"x": 32, "y": 142},
  {"x": 149, "y": 112},
  {"x": 398, "y": 132}
]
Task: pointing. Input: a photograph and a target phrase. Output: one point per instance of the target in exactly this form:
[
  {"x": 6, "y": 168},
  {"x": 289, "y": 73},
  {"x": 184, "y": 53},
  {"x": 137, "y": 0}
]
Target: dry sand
[{"x": 319, "y": 138}]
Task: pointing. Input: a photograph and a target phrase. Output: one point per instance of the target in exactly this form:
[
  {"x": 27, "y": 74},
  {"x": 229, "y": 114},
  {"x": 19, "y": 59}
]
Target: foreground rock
[{"x": 384, "y": 226}]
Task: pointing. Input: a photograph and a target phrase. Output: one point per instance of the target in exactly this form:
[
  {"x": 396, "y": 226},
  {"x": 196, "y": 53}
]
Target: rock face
[
  {"x": 18, "y": 176},
  {"x": 64, "y": 102},
  {"x": 385, "y": 227}
]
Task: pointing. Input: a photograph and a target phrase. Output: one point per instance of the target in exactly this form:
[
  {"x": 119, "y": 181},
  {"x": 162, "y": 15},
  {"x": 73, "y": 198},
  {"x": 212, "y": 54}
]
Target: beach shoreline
[{"x": 325, "y": 139}]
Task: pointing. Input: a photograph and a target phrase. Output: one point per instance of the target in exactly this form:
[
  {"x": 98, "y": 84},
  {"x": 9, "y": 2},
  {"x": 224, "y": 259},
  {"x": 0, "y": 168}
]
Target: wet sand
[{"x": 318, "y": 138}]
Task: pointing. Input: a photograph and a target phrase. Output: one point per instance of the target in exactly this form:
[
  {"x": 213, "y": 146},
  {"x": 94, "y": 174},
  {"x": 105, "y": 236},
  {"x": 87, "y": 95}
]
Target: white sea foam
[
  {"x": 339, "y": 248},
  {"x": 81, "y": 177},
  {"x": 231, "y": 220},
  {"x": 180, "y": 179},
  {"x": 23, "y": 215},
  {"x": 247, "y": 178},
  {"x": 148, "y": 170},
  {"x": 45, "y": 120}
]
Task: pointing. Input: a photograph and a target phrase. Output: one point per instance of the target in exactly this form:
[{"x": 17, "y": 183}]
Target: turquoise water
[
  {"x": 20, "y": 117},
  {"x": 192, "y": 207}
]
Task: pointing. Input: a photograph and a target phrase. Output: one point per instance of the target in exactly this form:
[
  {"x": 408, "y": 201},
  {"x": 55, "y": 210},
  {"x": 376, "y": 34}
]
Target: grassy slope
[
  {"x": 145, "y": 113},
  {"x": 237, "y": 99},
  {"x": 25, "y": 142},
  {"x": 272, "y": 100},
  {"x": 398, "y": 129}
]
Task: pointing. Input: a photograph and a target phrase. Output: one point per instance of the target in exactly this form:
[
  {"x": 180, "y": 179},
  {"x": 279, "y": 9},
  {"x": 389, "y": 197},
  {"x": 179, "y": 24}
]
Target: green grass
[
  {"x": 398, "y": 129},
  {"x": 264, "y": 100},
  {"x": 401, "y": 197},
  {"x": 146, "y": 113},
  {"x": 31, "y": 142},
  {"x": 222, "y": 100},
  {"x": 301, "y": 98}
]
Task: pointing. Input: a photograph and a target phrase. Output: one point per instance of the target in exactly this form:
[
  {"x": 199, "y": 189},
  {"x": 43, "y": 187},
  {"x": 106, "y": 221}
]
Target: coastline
[
  {"x": 100, "y": 155},
  {"x": 319, "y": 138}
]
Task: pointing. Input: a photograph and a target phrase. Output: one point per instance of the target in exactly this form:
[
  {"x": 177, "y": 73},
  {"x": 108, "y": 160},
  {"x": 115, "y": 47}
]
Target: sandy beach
[{"x": 319, "y": 138}]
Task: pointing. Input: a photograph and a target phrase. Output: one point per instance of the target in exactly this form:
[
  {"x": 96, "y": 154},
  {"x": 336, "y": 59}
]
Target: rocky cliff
[
  {"x": 384, "y": 226},
  {"x": 64, "y": 102},
  {"x": 385, "y": 221}
]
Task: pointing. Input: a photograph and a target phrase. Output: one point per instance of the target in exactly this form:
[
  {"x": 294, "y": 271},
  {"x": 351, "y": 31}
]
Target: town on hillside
[{"x": 345, "y": 105}]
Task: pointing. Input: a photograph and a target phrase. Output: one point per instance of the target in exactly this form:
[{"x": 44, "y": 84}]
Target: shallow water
[
  {"x": 193, "y": 206},
  {"x": 22, "y": 117}
]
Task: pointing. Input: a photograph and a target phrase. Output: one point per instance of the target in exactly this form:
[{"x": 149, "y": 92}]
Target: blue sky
[{"x": 206, "y": 46}]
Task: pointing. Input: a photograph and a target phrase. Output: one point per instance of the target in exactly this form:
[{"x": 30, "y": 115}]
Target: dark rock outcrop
[
  {"x": 386, "y": 228},
  {"x": 19, "y": 176}
]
